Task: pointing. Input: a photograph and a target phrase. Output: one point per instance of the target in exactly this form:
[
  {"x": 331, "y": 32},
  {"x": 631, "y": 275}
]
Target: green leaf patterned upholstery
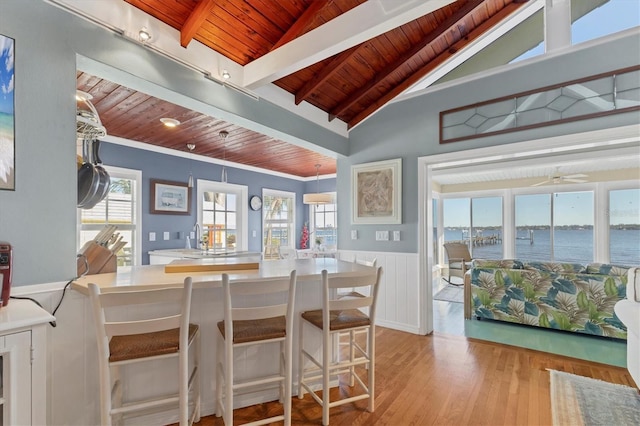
[{"x": 560, "y": 296}]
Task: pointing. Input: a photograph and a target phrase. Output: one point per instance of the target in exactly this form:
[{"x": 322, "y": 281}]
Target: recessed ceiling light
[
  {"x": 144, "y": 34},
  {"x": 226, "y": 75},
  {"x": 169, "y": 122}
]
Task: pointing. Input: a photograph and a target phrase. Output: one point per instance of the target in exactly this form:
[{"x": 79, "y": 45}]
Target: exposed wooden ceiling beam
[
  {"x": 380, "y": 76},
  {"x": 326, "y": 72},
  {"x": 195, "y": 21},
  {"x": 301, "y": 24},
  {"x": 445, "y": 55},
  {"x": 359, "y": 24}
]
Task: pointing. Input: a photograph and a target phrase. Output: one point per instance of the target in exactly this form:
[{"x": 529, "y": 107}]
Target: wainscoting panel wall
[{"x": 72, "y": 362}]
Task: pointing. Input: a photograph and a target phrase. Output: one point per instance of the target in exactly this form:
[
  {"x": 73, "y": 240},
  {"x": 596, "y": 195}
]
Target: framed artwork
[
  {"x": 169, "y": 197},
  {"x": 7, "y": 117},
  {"x": 376, "y": 190}
]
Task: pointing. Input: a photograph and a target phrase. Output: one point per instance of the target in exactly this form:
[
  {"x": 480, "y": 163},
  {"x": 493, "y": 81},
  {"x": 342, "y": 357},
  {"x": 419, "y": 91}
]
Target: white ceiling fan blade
[
  {"x": 575, "y": 176},
  {"x": 541, "y": 183},
  {"x": 566, "y": 179}
]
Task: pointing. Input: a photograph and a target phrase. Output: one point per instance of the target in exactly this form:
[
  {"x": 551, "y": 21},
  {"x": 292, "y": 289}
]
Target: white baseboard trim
[{"x": 398, "y": 326}]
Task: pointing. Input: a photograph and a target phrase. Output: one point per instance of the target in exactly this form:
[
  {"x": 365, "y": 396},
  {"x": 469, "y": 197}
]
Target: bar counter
[
  {"x": 207, "y": 310},
  {"x": 153, "y": 276}
]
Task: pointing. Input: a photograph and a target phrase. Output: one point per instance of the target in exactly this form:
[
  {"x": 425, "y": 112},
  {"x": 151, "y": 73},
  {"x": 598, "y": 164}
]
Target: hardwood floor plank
[{"x": 446, "y": 380}]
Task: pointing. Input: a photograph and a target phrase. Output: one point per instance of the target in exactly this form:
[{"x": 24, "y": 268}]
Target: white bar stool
[
  {"x": 150, "y": 336},
  {"x": 268, "y": 319},
  {"x": 341, "y": 314}
]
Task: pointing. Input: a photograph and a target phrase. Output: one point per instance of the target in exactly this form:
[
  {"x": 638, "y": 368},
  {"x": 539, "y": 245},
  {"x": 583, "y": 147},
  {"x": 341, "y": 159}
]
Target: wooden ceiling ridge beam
[
  {"x": 351, "y": 28},
  {"x": 298, "y": 28},
  {"x": 442, "y": 28},
  {"x": 326, "y": 73},
  {"x": 195, "y": 21},
  {"x": 444, "y": 56}
]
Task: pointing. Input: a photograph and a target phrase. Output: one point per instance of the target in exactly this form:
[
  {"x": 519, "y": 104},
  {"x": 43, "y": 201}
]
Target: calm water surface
[{"x": 571, "y": 245}]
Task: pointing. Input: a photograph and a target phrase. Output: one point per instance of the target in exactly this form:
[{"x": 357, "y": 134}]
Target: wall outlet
[
  {"x": 166, "y": 236},
  {"x": 192, "y": 235},
  {"x": 152, "y": 236},
  {"x": 396, "y": 235},
  {"x": 354, "y": 234},
  {"x": 382, "y": 235}
]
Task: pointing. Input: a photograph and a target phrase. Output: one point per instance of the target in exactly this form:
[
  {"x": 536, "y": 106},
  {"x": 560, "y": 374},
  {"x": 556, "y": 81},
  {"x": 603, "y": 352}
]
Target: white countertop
[
  {"x": 152, "y": 276},
  {"x": 21, "y": 314}
]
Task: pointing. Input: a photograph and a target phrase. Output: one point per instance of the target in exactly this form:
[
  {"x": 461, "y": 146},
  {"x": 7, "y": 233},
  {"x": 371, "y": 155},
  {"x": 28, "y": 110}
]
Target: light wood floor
[{"x": 447, "y": 380}]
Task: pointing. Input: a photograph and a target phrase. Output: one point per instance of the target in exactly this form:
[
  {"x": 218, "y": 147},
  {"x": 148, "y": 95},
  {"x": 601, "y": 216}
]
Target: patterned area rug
[
  {"x": 578, "y": 400},
  {"x": 451, "y": 293}
]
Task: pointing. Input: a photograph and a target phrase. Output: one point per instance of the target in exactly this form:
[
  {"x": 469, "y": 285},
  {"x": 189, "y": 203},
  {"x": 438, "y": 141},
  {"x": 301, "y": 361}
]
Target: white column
[{"x": 557, "y": 24}]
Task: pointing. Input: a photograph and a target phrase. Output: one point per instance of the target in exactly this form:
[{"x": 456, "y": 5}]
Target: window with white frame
[
  {"x": 121, "y": 207},
  {"x": 624, "y": 226},
  {"x": 555, "y": 226},
  {"x": 278, "y": 218},
  {"x": 222, "y": 216},
  {"x": 475, "y": 221},
  {"x": 324, "y": 224}
]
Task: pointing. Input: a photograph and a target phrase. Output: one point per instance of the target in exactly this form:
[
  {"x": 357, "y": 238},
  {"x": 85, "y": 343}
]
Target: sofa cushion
[
  {"x": 557, "y": 267},
  {"x": 497, "y": 263},
  {"x": 607, "y": 269}
]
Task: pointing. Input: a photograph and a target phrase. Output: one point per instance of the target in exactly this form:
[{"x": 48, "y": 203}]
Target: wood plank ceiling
[{"x": 349, "y": 86}]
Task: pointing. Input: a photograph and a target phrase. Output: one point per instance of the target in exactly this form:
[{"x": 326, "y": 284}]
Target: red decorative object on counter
[
  {"x": 304, "y": 238},
  {"x": 6, "y": 261}
]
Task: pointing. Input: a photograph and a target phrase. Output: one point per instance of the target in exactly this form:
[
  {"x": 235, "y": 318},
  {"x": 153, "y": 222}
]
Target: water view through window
[{"x": 548, "y": 227}]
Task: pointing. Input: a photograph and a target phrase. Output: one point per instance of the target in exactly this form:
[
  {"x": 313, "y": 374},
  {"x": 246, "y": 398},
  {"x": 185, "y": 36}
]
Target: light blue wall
[
  {"x": 409, "y": 129},
  {"x": 39, "y": 217},
  {"x": 155, "y": 165}
]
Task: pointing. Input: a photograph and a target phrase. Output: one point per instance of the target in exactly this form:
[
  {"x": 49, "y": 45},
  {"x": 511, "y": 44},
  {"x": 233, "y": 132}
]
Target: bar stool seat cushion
[
  {"x": 133, "y": 346},
  {"x": 245, "y": 331},
  {"x": 338, "y": 320}
]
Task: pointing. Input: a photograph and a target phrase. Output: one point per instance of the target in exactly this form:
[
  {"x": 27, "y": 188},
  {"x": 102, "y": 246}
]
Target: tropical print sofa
[{"x": 562, "y": 296}]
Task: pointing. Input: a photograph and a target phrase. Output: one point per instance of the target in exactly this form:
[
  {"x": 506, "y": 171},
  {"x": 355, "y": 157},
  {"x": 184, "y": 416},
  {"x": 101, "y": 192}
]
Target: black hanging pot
[
  {"x": 104, "y": 180},
  {"x": 88, "y": 177}
]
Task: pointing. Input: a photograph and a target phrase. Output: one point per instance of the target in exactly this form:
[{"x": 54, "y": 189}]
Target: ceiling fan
[{"x": 558, "y": 177}]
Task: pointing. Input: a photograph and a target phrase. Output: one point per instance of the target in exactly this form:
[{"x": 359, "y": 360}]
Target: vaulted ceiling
[
  {"x": 345, "y": 58},
  {"x": 353, "y": 83}
]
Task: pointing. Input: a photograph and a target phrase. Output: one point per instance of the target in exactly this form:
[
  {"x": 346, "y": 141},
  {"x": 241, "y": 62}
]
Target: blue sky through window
[{"x": 612, "y": 17}]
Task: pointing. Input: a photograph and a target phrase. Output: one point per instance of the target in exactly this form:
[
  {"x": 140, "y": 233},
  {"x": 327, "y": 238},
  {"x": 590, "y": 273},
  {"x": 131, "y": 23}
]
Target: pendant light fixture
[
  {"x": 223, "y": 134},
  {"x": 190, "y": 147},
  {"x": 317, "y": 198}
]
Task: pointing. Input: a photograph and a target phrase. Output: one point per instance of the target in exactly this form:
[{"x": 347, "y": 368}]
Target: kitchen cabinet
[{"x": 23, "y": 363}]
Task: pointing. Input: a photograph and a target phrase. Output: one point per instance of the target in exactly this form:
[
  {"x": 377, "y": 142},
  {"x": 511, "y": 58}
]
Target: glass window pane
[
  {"x": 231, "y": 202},
  {"x": 278, "y": 224},
  {"x": 117, "y": 208},
  {"x": 219, "y": 200},
  {"x": 231, "y": 220},
  {"x": 624, "y": 227},
  {"x": 456, "y": 219},
  {"x": 486, "y": 219},
  {"x": 207, "y": 217},
  {"x": 573, "y": 227},
  {"x": 219, "y": 218},
  {"x": 533, "y": 227},
  {"x": 611, "y": 17}
]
